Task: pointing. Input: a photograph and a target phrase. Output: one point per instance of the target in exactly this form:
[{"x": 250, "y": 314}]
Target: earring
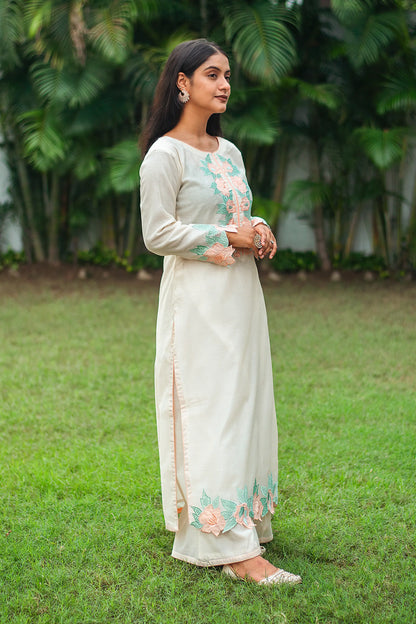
[{"x": 183, "y": 96}]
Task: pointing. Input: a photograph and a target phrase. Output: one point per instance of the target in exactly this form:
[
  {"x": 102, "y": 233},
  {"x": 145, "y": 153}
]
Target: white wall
[{"x": 10, "y": 235}]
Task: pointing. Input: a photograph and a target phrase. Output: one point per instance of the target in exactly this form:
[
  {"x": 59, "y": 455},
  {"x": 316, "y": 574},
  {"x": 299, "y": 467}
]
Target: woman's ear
[{"x": 182, "y": 82}]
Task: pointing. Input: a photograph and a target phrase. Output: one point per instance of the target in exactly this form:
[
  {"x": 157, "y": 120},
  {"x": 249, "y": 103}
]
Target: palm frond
[
  {"x": 72, "y": 85},
  {"x": 146, "y": 9},
  {"x": 367, "y": 40},
  {"x": 255, "y": 125},
  {"x": 328, "y": 95},
  {"x": 349, "y": 12},
  {"x": 262, "y": 43},
  {"x": 303, "y": 195},
  {"x": 124, "y": 162},
  {"x": 111, "y": 34},
  {"x": 44, "y": 142},
  {"x": 383, "y": 147},
  {"x": 37, "y": 14},
  {"x": 11, "y": 32},
  {"x": 398, "y": 93},
  {"x": 83, "y": 160}
]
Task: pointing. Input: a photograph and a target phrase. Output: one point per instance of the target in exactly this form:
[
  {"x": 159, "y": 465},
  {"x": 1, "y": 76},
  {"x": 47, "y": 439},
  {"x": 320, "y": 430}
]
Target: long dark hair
[{"x": 166, "y": 109}]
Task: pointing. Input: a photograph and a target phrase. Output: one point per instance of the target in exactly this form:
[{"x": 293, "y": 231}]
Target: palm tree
[
  {"x": 69, "y": 106},
  {"x": 379, "y": 46},
  {"x": 350, "y": 150}
]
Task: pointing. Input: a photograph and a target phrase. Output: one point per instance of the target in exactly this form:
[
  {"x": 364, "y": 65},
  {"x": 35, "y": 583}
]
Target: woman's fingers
[
  {"x": 268, "y": 241},
  {"x": 273, "y": 249}
]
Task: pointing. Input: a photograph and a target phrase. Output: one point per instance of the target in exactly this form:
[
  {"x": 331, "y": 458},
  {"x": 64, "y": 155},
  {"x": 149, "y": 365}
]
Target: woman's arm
[{"x": 160, "y": 181}]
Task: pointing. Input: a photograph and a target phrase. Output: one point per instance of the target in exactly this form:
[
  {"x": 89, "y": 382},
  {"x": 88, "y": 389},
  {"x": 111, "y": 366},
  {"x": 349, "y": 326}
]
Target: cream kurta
[{"x": 213, "y": 378}]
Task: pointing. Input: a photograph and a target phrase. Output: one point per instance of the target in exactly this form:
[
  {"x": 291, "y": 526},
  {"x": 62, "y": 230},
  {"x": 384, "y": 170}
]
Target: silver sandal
[{"x": 280, "y": 577}]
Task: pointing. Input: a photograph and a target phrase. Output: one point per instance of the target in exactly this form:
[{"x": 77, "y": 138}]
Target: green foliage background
[{"x": 335, "y": 85}]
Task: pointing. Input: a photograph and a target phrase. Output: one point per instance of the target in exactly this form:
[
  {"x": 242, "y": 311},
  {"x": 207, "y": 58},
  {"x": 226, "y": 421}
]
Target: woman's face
[{"x": 209, "y": 88}]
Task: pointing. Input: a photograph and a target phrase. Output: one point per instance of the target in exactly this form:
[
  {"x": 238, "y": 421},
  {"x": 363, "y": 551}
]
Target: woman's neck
[{"x": 192, "y": 129}]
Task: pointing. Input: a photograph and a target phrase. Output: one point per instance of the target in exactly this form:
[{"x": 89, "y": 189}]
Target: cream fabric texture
[{"x": 215, "y": 409}]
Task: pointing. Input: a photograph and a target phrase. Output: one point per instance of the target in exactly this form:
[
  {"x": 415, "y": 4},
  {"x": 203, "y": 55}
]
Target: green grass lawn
[{"x": 82, "y": 537}]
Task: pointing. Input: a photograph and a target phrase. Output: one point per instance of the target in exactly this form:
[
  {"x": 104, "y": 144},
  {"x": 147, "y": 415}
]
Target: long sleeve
[
  {"x": 163, "y": 233},
  {"x": 257, "y": 220}
]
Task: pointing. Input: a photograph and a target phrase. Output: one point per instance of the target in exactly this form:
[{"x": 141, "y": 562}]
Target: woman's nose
[{"x": 225, "y": 85}]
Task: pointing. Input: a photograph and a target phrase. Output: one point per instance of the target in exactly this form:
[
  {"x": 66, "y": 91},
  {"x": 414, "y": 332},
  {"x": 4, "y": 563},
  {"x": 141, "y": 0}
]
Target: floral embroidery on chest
[
  {"x": 232, "y": 187},
  {"x": 220, "y": 515}
]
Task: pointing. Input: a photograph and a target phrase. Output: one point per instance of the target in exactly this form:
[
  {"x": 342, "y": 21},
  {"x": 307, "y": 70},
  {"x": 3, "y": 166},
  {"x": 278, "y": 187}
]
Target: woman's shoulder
[
  {"x": 162, "y": 153},
  {"x": 164, "y": 144},
  {"x": 228, "y": 146},
  {"x": 228, "y": 149}
]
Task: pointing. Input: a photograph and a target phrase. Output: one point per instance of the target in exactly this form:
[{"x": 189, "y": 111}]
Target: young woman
[{"x": 213, "y": 378}]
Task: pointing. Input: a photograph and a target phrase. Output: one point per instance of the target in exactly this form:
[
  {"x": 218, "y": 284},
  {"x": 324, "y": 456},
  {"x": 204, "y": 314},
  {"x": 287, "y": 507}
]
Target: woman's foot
[
  {"x": 260, "y": 571},
  {"x": 254, "y": 569}
]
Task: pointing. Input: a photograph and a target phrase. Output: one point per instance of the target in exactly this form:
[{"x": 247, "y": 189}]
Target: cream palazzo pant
[{"x": 206, "y": 549}]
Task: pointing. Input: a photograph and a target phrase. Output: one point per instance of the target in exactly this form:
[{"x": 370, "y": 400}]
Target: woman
[{"x": 214, "y": 392}]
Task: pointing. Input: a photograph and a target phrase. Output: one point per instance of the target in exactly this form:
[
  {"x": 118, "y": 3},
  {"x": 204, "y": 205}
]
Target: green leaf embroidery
[
  {"x": 229, "y": 505},
  {"x": 242, "y": 495},
  {"x": 205, "y": 499},
  {"x": 213, "y": 235},
  {"x": 196, "y": 512},
  {"x": 230, "y": 524}
]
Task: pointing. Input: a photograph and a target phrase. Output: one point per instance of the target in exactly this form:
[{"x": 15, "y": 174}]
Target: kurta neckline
[{"x": 192, "y": 147}]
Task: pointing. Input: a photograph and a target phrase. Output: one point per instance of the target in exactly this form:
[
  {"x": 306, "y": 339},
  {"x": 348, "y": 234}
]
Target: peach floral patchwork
[
  {"x": 220, "y": 515},
  {"x": 217, "y": 254},
  {"x": 234, "y": 202},
  {"x": 242, "y": 515},
  {"x": 216, "y": 248},
  {"x": 257, "y": 507},
  {"x": 212, "y": 520}
]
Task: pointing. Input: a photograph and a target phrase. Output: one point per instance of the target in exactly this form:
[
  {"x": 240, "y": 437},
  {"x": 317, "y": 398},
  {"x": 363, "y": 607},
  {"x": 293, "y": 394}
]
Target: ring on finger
[{"x": 257, "y": 241}]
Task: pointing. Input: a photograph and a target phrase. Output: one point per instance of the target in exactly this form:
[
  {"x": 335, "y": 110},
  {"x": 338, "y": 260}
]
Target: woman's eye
[{"x": 212, "y": 75}]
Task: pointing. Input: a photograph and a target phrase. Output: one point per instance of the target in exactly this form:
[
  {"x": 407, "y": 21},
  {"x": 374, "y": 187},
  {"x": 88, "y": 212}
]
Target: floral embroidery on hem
[{"x": 216, "y": 518}]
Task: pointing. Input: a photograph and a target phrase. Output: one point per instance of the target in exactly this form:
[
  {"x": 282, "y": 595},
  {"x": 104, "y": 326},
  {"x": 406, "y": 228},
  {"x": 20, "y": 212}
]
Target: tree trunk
[
  {"x": 51, "y": 199},
  {"x": 25, "y": 232},
  {"x": 29, "y": 208},
  {"x": 352, "y": 229},
  {"x": 132, "y": 226},
  {"x": 53, "y": 250},
  {"x": 279, "y": 187},
  {"x": 411, "y": 230},
  {"x": 319, "y": 224},
  {"x": 204, "y": 17},
  {"x": 385, "y": 218}
]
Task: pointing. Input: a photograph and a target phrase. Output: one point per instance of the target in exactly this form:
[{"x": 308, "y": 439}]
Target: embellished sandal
[{"x": 278, "y": 578}]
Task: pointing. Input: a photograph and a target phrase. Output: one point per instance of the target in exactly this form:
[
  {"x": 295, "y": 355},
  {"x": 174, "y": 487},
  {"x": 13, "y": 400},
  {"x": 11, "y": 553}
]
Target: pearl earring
[{"x": 183, "y": 96}]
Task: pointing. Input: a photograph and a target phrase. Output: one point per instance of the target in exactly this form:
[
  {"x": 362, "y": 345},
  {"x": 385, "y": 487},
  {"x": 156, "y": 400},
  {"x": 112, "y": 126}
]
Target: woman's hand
[
  {"x": 244, "y": 237},
  {"x": 268, "y": 241}
]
